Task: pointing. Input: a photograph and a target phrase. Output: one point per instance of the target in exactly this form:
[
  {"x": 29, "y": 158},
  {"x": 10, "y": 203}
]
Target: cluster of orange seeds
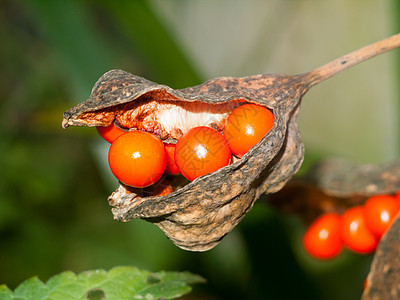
[
  {"x": 359, "y": 228},
  {"x": 140, "y": 159}
]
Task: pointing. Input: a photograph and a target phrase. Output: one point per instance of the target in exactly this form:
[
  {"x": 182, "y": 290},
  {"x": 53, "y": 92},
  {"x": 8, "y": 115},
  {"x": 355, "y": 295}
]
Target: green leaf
[
  {"x": 167, "y": 285},
  {"x": 118, "y": 283},
  {"x": 32, "y": 288},
  {"x": 5, "y": 293}
]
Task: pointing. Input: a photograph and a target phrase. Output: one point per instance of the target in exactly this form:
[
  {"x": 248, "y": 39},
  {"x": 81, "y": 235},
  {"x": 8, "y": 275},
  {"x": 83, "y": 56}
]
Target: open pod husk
[{"x": 197, "y": 215}]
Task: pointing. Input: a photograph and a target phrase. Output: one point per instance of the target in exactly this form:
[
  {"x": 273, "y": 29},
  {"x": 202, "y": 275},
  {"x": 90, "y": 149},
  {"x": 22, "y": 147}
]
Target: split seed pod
[{"x": 198, "y": 214}]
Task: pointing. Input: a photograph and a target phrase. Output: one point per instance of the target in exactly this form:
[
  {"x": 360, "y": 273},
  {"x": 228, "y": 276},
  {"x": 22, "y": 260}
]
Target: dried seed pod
[
  {"x": 198, "y": 214},
  {"x": 343, "y": 178}
]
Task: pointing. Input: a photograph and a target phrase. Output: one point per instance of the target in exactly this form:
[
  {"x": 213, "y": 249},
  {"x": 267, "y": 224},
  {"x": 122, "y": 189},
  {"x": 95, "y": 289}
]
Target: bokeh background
[{"x": 54, "y": 183}]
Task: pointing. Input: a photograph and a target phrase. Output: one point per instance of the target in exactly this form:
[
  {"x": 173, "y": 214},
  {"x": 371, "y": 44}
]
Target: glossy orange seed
[
  {"x": 246, "y": 126},
  {"x": 380, "y": 211},
  {"x": 200, "y": 151},
  {"x": 110, "y": 133},
  {"x": 172, "y": 168},
  {"x": 137, "y": 158},
  {"x": 322, "y": 238},
  {"x": 354, "y": 231}
]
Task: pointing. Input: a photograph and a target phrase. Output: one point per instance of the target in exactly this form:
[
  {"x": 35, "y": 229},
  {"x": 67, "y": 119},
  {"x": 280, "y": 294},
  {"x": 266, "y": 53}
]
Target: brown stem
[{"x": 346, "y": 61}]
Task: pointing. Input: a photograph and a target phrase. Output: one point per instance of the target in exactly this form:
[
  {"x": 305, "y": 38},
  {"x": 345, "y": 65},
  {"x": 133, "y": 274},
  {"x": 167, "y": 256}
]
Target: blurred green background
[{"x": 54, "y": 183}]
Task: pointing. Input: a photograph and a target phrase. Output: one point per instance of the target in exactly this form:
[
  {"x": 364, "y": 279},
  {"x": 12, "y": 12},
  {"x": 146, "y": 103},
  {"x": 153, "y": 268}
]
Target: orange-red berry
[
  {"x": 110, "y": 133},
  {"x": 322, "y": 238},
  {"x": 380, "y": 211},
  {"x": 137, "y": 158},
  {"x": 200, "y": 151},
  {"x": 354, "y": 231},
  {"x": 172, "y": 168},
  {"x": 246, "y": 126}
]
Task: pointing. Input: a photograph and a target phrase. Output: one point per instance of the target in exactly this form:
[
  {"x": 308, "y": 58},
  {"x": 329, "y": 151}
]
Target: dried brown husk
[
  {"x": 199, "y": 214},
  {"x": 196, "y": 216}
]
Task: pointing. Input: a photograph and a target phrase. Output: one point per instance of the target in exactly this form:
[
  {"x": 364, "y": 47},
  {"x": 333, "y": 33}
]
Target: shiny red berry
[
  {"x": 200, "y": 151},
  {"x": 354, "y": 231},
  {"x": 110, "y": 133},
  {"x": 380, "y": 211},
  {"x": 322, "y": 238},
  {"x": 137, "y": 158}
]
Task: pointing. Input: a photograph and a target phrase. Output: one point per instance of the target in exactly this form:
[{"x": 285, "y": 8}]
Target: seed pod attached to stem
[{"x": 198, "y": 214}]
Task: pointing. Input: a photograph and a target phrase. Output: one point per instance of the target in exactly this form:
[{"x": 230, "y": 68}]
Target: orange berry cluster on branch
[{"x": 359, "y": 228}]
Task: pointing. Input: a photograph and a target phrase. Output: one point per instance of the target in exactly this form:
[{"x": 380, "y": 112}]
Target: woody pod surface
[{"x": 198, "y": 214}]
